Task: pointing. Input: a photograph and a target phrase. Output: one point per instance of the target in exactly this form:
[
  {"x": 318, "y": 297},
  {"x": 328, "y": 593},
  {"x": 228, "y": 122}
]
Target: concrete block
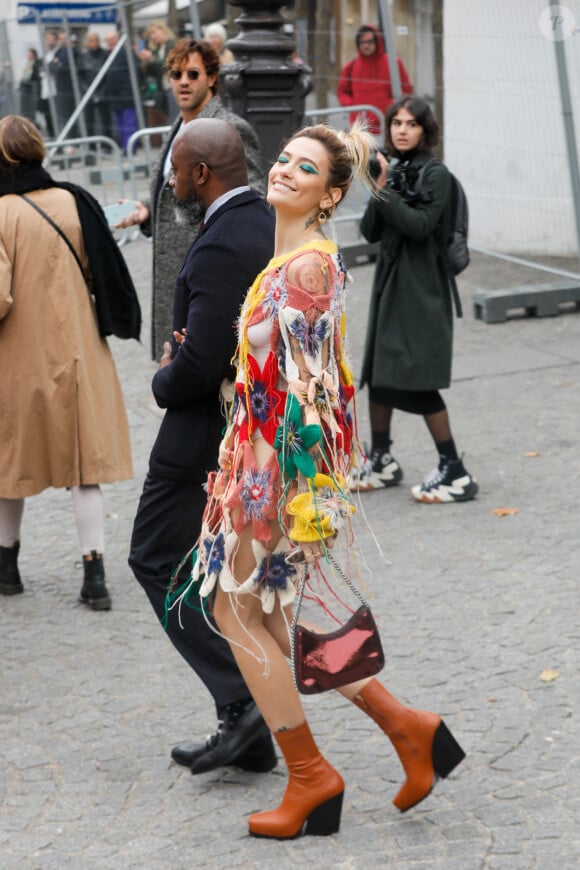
[
  {"x": 543, "y": 300},
  {"x": 352, "y": 253}
]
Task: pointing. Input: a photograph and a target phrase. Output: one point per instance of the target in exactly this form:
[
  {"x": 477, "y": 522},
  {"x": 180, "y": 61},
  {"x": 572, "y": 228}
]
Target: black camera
[
  {"x": 398, "y": 176},
  {"x": 374, "y": 166},
  {"x": 403, "y": 177}
]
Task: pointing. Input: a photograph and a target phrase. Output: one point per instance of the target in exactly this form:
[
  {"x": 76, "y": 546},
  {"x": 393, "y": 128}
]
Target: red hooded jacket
[{"x": 367, "y": 80}]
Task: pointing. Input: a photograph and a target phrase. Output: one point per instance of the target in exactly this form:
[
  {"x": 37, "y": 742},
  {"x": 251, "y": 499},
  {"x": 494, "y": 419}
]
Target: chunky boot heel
[
  {"x": 447, "y": 753},
  {"x": 312, "y": 802},
  {"x": 325, "y": 819}
]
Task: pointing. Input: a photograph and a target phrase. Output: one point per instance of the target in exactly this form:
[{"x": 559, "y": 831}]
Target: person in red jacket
[{"x": 366, "y": 80}]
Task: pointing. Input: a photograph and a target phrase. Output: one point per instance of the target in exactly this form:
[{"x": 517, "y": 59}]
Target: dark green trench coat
[{"x": 409, "y": 337}]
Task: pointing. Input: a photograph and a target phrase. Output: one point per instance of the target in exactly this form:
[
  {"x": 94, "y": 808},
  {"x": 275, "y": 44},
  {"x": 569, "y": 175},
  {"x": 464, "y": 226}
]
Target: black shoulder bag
[{"x": 59, "y": 231}]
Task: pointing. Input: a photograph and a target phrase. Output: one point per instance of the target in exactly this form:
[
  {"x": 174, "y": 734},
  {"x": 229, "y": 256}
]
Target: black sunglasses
[{"x": 177, "y": 74}]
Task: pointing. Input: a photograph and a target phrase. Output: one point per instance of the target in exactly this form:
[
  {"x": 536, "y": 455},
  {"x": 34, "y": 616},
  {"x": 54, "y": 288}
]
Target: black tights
[{"x": 425, "y": 404}]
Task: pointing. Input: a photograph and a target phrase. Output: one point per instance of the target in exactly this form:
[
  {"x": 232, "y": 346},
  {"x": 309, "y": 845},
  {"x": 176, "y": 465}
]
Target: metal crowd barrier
[
  {"x": 140, "y": 141},
  {"x": 95, "y": 163},
  {"x": 98, "y": 164}
]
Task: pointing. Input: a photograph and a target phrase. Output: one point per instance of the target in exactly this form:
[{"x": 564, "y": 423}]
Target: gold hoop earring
[{"x": 322, "y": 218}]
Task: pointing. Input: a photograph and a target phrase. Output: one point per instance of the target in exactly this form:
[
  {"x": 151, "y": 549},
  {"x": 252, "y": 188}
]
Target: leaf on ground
[
  {"x": 505, "y": 512},
  {"x": 548, "y": 675},
  {"x": 532, "y": 453}
]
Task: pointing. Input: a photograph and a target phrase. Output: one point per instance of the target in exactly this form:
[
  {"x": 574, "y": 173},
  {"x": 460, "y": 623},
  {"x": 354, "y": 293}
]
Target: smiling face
[
  {"x": 406, "y": 133},
  {"x": 191, "y": 94},
  {"x": 298, "y": 180}
]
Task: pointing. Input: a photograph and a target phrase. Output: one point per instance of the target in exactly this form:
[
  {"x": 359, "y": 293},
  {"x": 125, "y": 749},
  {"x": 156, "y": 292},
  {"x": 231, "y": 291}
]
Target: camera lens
[{"x": 374, "y": 167}]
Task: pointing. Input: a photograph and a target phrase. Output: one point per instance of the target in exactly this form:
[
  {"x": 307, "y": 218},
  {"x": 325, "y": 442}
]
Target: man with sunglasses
[{"x": 193, "y": 69}]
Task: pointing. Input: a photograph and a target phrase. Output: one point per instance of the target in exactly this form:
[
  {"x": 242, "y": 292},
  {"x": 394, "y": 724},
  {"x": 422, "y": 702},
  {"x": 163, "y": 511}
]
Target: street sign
[{"x": 76, "y": 13}]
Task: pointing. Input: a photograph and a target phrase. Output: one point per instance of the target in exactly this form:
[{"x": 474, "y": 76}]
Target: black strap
[
  {"x": 59, "y": 231},
  {"x": 455, "y": 294}
]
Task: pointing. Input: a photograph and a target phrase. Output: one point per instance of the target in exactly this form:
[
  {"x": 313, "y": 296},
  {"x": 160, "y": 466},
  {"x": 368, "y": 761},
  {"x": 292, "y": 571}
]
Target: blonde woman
[{"x": 281, "y": 494}]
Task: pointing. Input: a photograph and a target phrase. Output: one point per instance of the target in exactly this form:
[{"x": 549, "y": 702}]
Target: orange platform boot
[
  {"x": 425, "y": 746},
  {"x": 312, "y": 802}
]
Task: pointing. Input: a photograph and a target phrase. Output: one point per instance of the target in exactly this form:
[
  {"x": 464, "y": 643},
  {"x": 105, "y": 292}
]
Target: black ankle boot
[
  {"x": 10, "y": 582},
  {"x": 94, "y": 592}
]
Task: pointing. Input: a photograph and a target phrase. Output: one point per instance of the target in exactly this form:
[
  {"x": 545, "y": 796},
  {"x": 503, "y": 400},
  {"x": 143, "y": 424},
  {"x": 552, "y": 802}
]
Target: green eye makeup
[{"x": 307, "y": 167}]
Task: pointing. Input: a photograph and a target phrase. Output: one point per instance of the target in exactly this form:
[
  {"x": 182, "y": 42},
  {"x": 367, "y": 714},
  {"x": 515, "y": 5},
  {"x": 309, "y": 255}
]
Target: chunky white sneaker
[
  {"x": 447, "y": 483},
  {"x": 378, "y": 471}
]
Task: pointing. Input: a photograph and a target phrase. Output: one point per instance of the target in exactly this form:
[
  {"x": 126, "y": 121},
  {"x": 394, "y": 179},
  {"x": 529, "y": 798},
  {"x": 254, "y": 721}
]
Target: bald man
[{"x": 235, "y": 242}]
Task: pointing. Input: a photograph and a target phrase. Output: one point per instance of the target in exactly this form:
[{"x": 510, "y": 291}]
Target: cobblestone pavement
[{"x": 473, "y": 608}]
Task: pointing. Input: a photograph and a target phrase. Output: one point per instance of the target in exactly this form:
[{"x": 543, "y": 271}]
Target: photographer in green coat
[{"x": 409, "y": 342}]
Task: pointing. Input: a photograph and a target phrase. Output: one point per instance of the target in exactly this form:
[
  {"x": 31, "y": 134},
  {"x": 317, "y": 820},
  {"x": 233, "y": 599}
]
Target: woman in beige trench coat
[{"x": 62, "y": 415}]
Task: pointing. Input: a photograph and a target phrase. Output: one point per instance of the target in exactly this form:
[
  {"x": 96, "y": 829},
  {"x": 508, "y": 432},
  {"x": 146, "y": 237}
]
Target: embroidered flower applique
[
  {"x": 310, "y": 335},
  {"x": 266, "y": 402},
  {"x": 214, "y": 554},
  {"x": 272, "y": 577},
  {"x": 276, "y": 295},
  {"x": 214, "y": 567},
  {"x": 256, "y": 496},
  {"x": 321, "y": 511},
  {"x": 293, "y": 441}
]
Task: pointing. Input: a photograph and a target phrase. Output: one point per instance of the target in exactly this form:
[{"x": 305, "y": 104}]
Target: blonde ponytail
[{"x": 360, "y": 144}]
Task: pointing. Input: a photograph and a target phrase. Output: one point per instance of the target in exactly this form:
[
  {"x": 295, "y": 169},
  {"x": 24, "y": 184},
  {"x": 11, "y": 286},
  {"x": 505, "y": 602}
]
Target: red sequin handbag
[{"x": 352, "y": 652}]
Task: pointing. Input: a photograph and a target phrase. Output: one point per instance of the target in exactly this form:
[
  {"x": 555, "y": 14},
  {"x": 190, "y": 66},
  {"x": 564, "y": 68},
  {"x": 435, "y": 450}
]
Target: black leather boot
[
  {"x": 241, "y": 740},
  {"x": 94, "y": 592},
  {"x": 10, "y": 582}
]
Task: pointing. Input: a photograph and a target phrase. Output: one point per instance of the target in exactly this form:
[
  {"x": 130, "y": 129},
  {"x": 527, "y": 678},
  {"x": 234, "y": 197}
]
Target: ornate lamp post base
[{"x": 264, "y": 86}]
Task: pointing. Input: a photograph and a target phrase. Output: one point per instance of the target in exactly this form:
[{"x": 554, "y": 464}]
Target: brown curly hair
[{"x": 180, "y": 52}]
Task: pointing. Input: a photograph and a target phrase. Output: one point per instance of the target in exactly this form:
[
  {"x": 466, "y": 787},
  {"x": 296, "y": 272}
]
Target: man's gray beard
[{"x": 188, "y": 212}]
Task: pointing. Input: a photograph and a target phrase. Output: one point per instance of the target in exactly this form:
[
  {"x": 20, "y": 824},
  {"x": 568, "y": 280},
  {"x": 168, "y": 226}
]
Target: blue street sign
[{"x": 77, "y": 13}]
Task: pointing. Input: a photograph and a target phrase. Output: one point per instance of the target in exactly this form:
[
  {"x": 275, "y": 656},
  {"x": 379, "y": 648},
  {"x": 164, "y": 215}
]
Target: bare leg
[
  {"x": 313, "y": 798},
  {"x": 273, "y": 691}
]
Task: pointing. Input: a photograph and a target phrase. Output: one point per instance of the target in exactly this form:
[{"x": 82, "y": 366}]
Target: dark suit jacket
[{"x": 221, "y": 264}]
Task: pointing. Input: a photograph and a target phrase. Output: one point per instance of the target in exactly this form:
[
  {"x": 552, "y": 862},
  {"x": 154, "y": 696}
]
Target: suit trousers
[{"x": 167, "y": 525}]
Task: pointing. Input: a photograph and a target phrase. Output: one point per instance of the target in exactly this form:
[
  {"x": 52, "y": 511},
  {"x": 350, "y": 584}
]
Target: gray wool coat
[
  {"x": 173, "y": 230},
  {"x": 409, "y": 338}
]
